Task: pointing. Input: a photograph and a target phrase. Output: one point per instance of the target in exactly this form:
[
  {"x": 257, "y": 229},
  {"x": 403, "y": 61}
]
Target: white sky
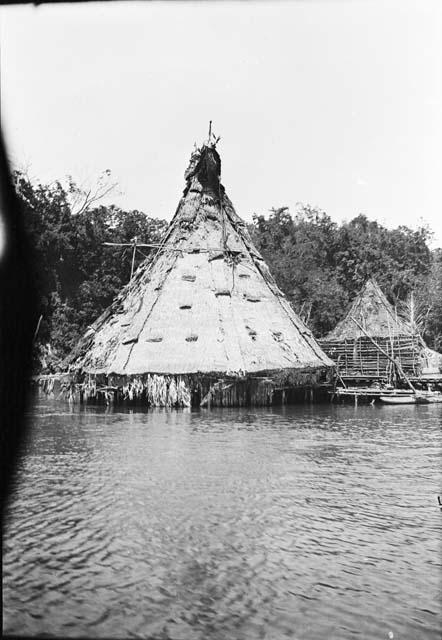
[{"x": 333, "y": 103}]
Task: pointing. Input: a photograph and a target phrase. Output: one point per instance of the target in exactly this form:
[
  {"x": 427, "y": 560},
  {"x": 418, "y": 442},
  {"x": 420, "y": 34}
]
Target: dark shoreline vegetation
[{"x": 320, "y": 265}]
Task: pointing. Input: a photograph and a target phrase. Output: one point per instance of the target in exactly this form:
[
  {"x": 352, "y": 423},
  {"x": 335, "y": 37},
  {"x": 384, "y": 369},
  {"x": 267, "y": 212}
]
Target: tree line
[{"x": 319, "y": 264}]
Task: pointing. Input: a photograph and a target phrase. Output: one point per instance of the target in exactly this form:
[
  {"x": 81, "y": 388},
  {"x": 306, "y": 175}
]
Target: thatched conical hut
[
  {"x": 202, "y": 321},
  {"x": 371, "y": 336}
]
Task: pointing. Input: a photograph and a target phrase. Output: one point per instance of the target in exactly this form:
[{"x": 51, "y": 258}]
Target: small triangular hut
[
  {"x": 370, "y": 328},
  {"x": 202, "y": 321}
]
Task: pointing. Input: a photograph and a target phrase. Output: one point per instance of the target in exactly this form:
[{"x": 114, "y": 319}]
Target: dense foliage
[
  {"x": 319, "y": 264},
  {"x": 77, "y": 276}
]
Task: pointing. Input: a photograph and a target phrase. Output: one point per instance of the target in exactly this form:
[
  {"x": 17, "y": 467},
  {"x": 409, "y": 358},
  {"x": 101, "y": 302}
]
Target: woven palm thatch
[
  {"x": 205, "y": 304},
  {"x": 374, "y": 313}
]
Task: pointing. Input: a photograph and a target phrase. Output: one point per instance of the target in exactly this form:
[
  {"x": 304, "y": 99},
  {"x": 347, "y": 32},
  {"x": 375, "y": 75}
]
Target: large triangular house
[
  {"x": 372, "y": 326},
  {"x": 203, "y": 321}
]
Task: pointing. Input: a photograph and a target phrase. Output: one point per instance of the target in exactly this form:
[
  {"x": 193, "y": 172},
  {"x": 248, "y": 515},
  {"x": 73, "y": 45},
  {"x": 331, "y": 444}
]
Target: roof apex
[
  {"x": 372, "y": 310},
  {"x": 205, "y": 167}
]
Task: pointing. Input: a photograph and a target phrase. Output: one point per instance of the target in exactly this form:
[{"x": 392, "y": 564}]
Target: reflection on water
[{"x": 305, "y": 522}]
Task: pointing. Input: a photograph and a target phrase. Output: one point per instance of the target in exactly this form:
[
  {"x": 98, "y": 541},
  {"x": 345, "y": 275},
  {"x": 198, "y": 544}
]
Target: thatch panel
[
  {"x": 431, "y": 361},
  {"x": 177, "y": 353},
  {"x": 232, "y": 343}
]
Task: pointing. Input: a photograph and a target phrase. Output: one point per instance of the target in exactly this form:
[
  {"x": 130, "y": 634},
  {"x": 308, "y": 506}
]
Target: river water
[{"x": 304, "y": 522}]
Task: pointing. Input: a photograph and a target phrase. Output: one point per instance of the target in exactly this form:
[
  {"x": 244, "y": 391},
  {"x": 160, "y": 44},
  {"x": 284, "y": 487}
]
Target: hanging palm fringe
[
  {"x": 156, "y": 390},
  {"x": 151, "y": 390}
]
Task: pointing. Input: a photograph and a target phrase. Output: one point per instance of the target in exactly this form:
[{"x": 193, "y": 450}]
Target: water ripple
[{"x": 307, "y": 523}]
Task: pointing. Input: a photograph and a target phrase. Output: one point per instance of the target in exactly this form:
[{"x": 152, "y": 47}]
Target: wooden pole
[
  {"x": 340, "y": 378},
  {"x": 133, "y": 257},
  {"x": 397, "y": 364},
  {"x": 130, "y": 244},
  {"x": 38, "y": 327}
]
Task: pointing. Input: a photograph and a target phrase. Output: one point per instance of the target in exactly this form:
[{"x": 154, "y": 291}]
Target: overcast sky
[{"x": 336, "y": 104}]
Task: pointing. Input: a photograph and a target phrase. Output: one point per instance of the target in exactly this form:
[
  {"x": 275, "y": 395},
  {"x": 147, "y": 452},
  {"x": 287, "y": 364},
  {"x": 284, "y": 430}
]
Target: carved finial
[{"x": 212, "y": 140}]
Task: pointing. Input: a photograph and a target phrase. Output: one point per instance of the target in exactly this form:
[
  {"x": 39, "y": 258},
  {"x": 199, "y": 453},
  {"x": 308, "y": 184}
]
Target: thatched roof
[
  {"x": 205, "y": 303},
  {"x": 431, "y": 360},
  {"x": 372, "y": 311}
]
